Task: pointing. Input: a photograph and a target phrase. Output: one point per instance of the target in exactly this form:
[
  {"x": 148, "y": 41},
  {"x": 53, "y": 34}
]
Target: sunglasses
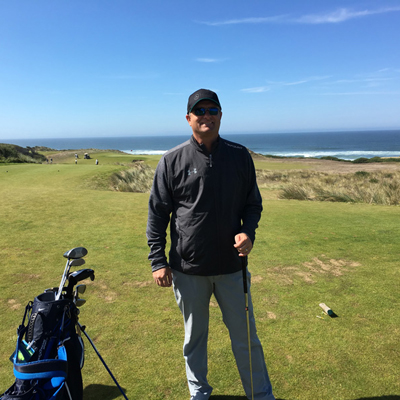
[{"x": 202, "y": 111}]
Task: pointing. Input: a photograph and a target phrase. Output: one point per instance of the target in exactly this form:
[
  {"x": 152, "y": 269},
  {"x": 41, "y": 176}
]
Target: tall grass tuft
[
  {"x": 296, "y": 192},
  {"x": 137, "y": 179},
  {"x": 360, "y": 187}
]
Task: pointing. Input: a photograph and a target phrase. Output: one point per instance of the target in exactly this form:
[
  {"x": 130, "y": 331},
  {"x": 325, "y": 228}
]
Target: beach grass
[
  {"x": 380, "y": 187},
  {"x": 345, "y": 255}
]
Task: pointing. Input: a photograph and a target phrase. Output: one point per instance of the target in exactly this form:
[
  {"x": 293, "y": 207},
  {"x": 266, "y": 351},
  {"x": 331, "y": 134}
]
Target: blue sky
[{"x": 123, "y": 67}]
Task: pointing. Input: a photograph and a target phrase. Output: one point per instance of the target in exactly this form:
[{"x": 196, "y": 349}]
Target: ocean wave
[{"x": 345, "y": 155}]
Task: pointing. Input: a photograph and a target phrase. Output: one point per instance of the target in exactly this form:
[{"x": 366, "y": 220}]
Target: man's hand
[
  {"x": 243, "y": 244},
  {"x": 163, "y": 277}
]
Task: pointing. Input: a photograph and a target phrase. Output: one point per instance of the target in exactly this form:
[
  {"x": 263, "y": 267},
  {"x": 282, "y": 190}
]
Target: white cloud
[
  {"x": 259, "y": 89},
  {"x": 383, "y": 70},
  {"x": 334, "y": 17},
  {"x": 256, "y": 20},
  {"x": 364, "y": 80},
  {"x": 341, "y": 15},
  {"x": 209, "y": 60},
  {"x": 359, "y": 84},
  {"x": 280, "y": 83},
  {"x": 300, "y": 82},
  {"x": 295, "y": 83}
]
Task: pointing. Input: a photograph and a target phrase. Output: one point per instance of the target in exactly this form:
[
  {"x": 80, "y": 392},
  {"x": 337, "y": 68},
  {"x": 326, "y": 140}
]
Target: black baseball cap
[{"x": 202, "y": 94}]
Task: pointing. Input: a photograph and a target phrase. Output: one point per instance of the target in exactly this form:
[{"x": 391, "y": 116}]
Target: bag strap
[{"x": 28, "y": 308}]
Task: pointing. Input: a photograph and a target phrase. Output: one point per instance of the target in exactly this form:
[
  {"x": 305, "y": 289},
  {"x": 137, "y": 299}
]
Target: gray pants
[{"x": 193, "y": 293}]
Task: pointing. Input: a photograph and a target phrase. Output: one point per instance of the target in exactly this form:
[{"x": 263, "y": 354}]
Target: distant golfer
[{"x": 206, "y": 187}]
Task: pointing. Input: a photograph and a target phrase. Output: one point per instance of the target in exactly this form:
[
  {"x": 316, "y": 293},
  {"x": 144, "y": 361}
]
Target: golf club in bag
[{"x": 49, "y": 354}]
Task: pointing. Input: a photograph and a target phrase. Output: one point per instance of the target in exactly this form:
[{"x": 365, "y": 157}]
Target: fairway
[{"x": 306, "y": 253}]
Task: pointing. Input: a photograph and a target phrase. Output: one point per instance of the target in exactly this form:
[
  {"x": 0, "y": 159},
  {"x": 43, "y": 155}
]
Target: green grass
[{"x": 345, "y": 255}]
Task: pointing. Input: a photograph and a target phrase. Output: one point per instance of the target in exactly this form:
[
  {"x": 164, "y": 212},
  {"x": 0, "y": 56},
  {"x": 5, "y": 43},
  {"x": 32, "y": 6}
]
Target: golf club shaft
[
  {"x": 249, "y": 343},
  {"x": 101, "y": 359},
  {"x": 246, "y": 302},
  {"x": 63, "y": 279}
]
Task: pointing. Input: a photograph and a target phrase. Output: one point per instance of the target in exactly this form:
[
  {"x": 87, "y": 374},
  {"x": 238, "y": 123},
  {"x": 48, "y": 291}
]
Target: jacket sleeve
[
  {"x": 160, "y": 208},
  {"x": 253, "y": 207}
]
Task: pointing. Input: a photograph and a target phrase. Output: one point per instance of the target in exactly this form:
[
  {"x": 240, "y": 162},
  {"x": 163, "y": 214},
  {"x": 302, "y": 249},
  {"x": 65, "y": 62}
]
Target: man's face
[{"x": 205, "y": 126}]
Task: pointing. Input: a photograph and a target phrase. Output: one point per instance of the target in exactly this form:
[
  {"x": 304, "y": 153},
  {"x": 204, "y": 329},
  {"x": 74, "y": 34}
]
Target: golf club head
[
  {"x": 80, "y": 302},
  {"x": 76, "y": 252},
  {"x": 77, "y": 276},
  {"x": 80, "y": 289},
  {"x": 76, "y": 262}
]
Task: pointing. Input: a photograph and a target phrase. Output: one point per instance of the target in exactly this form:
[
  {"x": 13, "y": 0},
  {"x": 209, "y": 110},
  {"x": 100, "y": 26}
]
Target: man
[{"x": 206, "y": 188}]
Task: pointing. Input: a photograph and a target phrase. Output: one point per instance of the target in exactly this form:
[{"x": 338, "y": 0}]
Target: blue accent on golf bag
[
  {"x": 41, "y": 369},
  {"x": 49, "y": 354}
]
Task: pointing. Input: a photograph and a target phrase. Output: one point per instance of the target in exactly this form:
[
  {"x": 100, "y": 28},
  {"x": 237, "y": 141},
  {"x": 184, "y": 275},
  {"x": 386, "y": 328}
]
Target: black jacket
[{"x": 210, "y": 197}]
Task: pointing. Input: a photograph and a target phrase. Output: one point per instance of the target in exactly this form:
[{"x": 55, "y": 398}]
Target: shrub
[
  {"x": 10, "y": 153},
  {"x": 376, "y": 159},
  {"x": 137, "y": 179},
  {"x": 361, "y": 160},
  {"x": 361, "y": 174},
  {"x": 397, "y": 159}
]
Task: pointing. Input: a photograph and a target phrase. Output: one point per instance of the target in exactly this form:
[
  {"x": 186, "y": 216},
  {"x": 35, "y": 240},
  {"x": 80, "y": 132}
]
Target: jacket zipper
[{"x": 210, "y": 157}]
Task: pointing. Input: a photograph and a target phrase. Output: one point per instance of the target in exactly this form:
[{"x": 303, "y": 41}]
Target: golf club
[
  {"x": 77, "y": 276},
  {"x": 80, "y": 302},
  {"x": 246, "y": 299},
  {"x": 80, "y": 275},
  {"x": 80, "y": 289},
  {"x": 73, "y": 254},
  {"x": 77, "y": 262}
]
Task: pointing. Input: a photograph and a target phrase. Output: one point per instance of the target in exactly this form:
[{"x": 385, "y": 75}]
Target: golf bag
[{"x": 49, "y": 353}]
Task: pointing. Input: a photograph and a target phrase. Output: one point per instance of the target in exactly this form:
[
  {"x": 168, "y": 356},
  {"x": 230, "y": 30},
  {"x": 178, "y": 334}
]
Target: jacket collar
[{"x": 202, "y": 148}]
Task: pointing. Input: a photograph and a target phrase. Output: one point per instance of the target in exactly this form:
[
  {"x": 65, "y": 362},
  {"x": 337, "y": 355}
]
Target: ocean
[{"x": 344, "y": 145}]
